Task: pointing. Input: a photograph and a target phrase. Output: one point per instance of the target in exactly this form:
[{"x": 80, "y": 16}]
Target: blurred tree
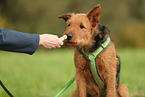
[
  {"x": 40, "y": 16},
  {"x": 137, "y": 9},
  {"x": 133, "y": 35},
  {"x": 33, "y": 15}
]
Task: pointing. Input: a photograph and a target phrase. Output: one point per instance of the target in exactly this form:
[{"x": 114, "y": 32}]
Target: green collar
[{"x": 93, "y": 64}]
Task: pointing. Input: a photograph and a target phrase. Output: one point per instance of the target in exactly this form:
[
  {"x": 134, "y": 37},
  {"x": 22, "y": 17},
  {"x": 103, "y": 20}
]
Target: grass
[{"x": 45, "y": 73}]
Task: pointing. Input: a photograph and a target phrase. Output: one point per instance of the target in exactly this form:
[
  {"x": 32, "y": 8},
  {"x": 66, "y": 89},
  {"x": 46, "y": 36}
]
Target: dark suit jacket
[{"x": 15, "y": 41}]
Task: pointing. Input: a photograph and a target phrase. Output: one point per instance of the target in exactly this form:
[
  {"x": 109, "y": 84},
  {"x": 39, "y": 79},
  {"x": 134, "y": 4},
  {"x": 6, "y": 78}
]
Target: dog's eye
[
  {"x": 68, "y": 25},
  {"x": 81, "y": 26}
]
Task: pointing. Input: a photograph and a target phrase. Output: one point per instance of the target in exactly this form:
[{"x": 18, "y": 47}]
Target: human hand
[{"x": 50, "y": 41}]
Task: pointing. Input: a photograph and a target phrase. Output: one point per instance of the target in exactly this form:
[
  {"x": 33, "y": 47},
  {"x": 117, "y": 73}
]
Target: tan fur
[{"x": 107, "y": 61}]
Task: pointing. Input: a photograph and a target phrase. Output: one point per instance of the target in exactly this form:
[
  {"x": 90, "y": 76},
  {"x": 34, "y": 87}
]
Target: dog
[{"x": 86, "y": 33}]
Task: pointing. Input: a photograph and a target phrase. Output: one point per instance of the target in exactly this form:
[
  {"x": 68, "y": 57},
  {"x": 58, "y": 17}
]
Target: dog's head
[{"x": 82, "y": 28}]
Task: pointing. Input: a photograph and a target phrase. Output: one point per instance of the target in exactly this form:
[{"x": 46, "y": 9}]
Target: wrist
[{"x": 40, "y": 40}]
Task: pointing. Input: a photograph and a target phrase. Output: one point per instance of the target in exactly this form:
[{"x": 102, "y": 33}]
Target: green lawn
[{"x": 45, "y": 73}]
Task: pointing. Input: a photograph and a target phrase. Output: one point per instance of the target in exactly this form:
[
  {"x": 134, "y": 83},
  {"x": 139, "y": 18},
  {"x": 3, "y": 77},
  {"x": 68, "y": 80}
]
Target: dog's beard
[
  {"x": 85, "y": 45},
  {"x": 84, "y": 42},
  {"x": 70, "y": 44}
]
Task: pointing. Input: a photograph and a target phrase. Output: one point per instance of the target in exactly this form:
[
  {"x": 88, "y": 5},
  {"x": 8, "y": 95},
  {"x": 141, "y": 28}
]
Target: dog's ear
[
  {"x": 94, "y": 15},
  {"x": 65, "y": 17}
]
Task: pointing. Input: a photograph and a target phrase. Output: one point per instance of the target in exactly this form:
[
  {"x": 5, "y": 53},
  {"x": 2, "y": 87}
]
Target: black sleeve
[{"x": 15, "y": 41}]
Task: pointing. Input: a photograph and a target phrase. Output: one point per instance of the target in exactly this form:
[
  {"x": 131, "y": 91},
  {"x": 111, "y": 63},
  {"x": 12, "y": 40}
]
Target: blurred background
[
  {"x": 46, "y": 72},
  {"x": 124, "y": 18}
]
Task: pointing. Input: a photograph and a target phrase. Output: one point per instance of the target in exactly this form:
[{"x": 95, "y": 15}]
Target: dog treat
[{"x": 63, "y": 37}]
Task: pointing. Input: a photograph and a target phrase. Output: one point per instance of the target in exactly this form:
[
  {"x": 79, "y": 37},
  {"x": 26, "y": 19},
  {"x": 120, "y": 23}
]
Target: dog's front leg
[
  {"x": 111, "y": 81},
  {"x": 81, "y": 83}
]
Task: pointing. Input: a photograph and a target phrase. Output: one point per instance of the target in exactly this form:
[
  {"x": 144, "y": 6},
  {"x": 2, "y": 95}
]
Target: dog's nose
[{"x": 69, "y": 36}]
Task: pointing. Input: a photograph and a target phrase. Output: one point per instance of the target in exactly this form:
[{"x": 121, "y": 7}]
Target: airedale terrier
[{"x": 86, "y": 35}]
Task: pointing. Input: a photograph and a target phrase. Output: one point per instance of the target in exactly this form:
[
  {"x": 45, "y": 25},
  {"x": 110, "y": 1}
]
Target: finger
[
  {"x": 60, "y": 42},
  {"x": 58, "y": 46}
]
